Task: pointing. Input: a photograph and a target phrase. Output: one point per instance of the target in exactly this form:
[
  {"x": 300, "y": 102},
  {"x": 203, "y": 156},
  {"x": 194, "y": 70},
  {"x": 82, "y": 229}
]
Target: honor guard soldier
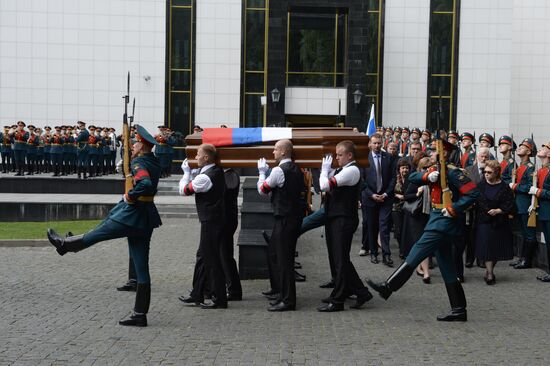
[
  {"x": 506, "y": 147},
  {"x": 32, "y": 146},
  {"x": 172, "y": 141},
  {"x": 92, "y": 152},
  {"x": 285, "y": 184},
  {"x": 388, "y": 137},
  {"x": 82, "y": 157},
  {"x": 343, "y": 187},
  {"x": 426, "y": 139},
  {"x": 20, "y": 137},
  {"x": 521, "y": 187},
  {"x": 404, "y": 142},
  {"x": 134, "y": 217},
  {"x": 445, "y": 223},
  {"x": 69, "y": 151},
  {"x": 454, "y": 157},
  {"x": 39, "y": 166},
  {"x": 5, "y": 149},
  {"x": 415, "y": 135},
  {"x": 161, "y": 150},
  {"x": 488, "y": 141},
  {"x": 208, "y": 187},
  {"x": 468, "y": 156},
  {"x": 113, "y": 144},
  {"x": 56, "y": 151},
  {"x": 396, "y": 135},
  {"x": 542, "y": 192},
  {"x": 47, "y": 159}
]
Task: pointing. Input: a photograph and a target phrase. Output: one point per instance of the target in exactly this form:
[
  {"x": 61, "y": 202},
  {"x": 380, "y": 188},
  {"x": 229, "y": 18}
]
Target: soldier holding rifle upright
[
  {"x": 451, "y": 194},
  {"x": 542, "y": 192}
]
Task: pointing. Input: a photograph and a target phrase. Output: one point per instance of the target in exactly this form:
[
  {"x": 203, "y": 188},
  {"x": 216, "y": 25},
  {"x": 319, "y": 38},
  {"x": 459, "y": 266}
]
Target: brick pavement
[{"x": 64, "y": 310}]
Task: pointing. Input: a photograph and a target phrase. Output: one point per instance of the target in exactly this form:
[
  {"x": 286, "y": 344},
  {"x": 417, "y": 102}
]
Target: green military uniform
[
  {"x": 82, "y": 157},
  {"x": 6, "y": 150},
  {"x": 134, "y": 217},
  {"x": 20, "y": 148},
  {"x": 444, "y": 225},
  {"x": 543, "y": 211}
]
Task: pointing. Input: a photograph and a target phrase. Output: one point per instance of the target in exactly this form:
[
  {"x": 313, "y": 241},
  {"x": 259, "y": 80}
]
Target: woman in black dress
[
  {"x": 414, "y": 223},
  {"x": 401, "y": 185},
  {"x": 494, "y": 228}
]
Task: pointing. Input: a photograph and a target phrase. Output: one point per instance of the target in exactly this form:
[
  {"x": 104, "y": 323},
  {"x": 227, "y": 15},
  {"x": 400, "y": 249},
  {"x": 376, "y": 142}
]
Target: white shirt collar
[
  {"x": 206, "y": 167},
  {"x": 348, "y": 164},
  {"x": 284, "y": 161}
]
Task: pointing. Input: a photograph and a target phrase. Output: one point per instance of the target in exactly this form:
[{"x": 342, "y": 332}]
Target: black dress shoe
[
  {"x": 386, "y": 259},
  {"x": 189, "y": 300},
  {"x": 213, "y": 305},
  {"x": 281, "y": 306},
  {"x": 426, "y": 280},
  {"x": 234, "y": 297},
  {"x": 273, "y": 297},
  {"x": 135, "y": 320},
  {"x": 298, "y": 277},
  {"x": 329, "y": 284},
  {"x": 330, "y": 307},
  {"x": 266, "y": 236},
  {"x": 128, "y": 286},
  {"x": 456, "y": 315},
  {"x": 269, "y": 292},
  {"x": 297, "y": 265},
  {"x": 326, "y": 300},
  {"x": 374, "y": 259},
  {"x": 460, "y": 278},
  {"x": 490, "y": 281},
  {"x": 514, "y": 263},
  {"x": 361, "y": 300},
  {"x": 274, "y": 302},
  {"x": 469, "y": 264}
]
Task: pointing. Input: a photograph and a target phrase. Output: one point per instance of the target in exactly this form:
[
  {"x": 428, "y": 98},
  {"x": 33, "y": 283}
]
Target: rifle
[
  {"x": 495, "y": 144},
  {"x": 128, "y": 179},
  {"x": 441, "y": 163},
  {"x": 514, "y": 167},
  {"x": 532, "y": 221}
]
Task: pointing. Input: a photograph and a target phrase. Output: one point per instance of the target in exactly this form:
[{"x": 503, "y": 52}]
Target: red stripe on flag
[{"x": 217, "y": 136}]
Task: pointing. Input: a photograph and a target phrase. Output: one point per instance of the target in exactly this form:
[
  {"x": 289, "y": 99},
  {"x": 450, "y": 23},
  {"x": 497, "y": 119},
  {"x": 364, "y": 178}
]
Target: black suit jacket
[
  {"x": 369, "y": 178},
  {"x": 473, "y": 173}
]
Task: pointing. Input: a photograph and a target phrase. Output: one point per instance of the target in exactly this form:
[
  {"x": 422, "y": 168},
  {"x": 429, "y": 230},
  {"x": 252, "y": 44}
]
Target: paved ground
[{"x": 64, "y": 310}]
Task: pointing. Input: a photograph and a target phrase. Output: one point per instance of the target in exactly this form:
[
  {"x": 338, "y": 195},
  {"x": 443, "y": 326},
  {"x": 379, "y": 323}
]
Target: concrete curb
[{"x": 15, "y": 243}]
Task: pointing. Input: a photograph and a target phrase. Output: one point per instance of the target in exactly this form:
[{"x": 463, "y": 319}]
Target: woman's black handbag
[{"x": 414, "y": 207}]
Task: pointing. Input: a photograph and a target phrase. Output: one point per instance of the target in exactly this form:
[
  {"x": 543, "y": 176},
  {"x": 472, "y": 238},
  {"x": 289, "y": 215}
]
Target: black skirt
[
  {"x": 494, "y": 242},
  {"x": 412, "y": 230}
]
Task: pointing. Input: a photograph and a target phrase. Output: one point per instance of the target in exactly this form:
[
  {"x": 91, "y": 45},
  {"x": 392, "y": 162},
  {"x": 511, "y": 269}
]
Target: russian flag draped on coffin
[{"x": 244, "y": 136}]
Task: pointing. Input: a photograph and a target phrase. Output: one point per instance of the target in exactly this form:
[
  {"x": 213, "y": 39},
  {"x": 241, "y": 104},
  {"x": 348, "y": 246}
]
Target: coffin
[{"x": 310, "y": 146}]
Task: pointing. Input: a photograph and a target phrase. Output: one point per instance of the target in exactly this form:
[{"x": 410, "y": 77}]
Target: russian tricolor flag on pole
[
  {"x": 244, "y": 136},
  {"x": 371, "y": 127}
]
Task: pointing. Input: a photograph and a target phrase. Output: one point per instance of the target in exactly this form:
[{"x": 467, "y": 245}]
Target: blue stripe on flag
[{"x": 245, "y": 136}]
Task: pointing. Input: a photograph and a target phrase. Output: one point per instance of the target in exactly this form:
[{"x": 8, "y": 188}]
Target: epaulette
[{"x": 529, "y": 165}]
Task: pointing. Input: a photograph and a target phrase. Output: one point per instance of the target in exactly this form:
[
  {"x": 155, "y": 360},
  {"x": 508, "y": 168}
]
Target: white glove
[
  {"x": 533, "y": 190},
  {"x": 326, "y": 165},
  {"x": 446, "y": 213},
  {"x": 262, "y": 166},
  {"x": 185, "y": 167},
  {"x": 531, "y": 208},
  {"x": 511, "y": 185},
  {"x": 119, "y": 166},
  {"x": 433, "y": 176},
  {"x": 124, "y": 198}
]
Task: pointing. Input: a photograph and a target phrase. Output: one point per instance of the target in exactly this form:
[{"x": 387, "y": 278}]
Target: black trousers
[
  {"x": 283, "y": 240},
  {"x": 378, "y": 222},
  {"x": 339, "y": 231},
  {"x": 232, "y": 279},
  {"x": 208, "y": 274},
  {"x": 469, "y": 237}
]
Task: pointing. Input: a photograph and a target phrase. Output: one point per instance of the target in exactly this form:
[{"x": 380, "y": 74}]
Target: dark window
[{"x": 316, "y": 48}]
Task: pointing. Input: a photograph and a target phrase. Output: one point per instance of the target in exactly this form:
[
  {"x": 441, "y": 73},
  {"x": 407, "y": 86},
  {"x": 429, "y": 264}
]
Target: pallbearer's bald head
[{"x": 283, "y": 150}]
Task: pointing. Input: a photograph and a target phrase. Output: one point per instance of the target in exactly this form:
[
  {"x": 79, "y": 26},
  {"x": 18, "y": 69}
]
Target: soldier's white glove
[
  {"x": 326, "y": 165},
  {"x": 124, "y": 198},
  {"x": 530, "y": 209},
  {"x": 433, "y": 176},
  {"x": 446, "y": 213},
  {"x": 262, "y": 166},
  {"x": 511, "y": 185},
  {"x": 533, "y": 190},
  {"x": 119, "y": 166},
  {"x": 185, "y": 167}
]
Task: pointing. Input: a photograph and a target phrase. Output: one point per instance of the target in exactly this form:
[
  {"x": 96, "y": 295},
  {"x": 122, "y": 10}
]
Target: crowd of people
[
  {"x": 442, "y": 200},
  {"x": 66, "y": 150}
]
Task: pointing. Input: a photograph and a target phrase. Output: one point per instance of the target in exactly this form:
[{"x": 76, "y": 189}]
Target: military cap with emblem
[
  {"x": 48, "y": 128},
  {"x": 143, "y": 136},
  {"x": 426, "y": 132},
  {"x": 467, "y": 135},
  {"x": 21, "y": 123},
  {"x": 453, "y": 133},
  {"x": 504, "y": 139},
  {"x": 547, "y": 145},
  {"x": 487, "y": 138},
  {"x": 397, "y": 129},
  {"x": 416, "y": 130},
  {"x": 530, "y": 144},
  {"x": 81, "y": 123}
]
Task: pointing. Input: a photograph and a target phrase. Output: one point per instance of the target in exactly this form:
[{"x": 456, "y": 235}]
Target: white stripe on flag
[{"x": 276, "y": 133}]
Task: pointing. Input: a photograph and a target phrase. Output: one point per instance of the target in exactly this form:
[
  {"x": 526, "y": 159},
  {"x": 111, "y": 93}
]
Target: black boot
[
  {"x": 528, "y": 251},
  {"x": 18, "y": 168},
  {"x": 4, "y": 168},
  {"x": 394, "y": 282},
  {"x": 458, "y": 304},
  {"x": 78, "y": 173},
  {"x": 546, "y": 277},
  {"x": 69, "y": 244},
  {"x": 141, "y": 308}
]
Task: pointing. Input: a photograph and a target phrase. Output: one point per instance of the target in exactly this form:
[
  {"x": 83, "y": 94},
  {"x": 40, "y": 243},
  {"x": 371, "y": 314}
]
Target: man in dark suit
[{"x": 377, "y": 198}]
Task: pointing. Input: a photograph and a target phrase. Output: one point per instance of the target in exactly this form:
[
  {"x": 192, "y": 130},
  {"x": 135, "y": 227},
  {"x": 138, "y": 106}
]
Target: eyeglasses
[{"x": 488, "y": 172}]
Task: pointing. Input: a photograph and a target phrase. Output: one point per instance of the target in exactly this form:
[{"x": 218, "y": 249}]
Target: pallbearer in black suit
[
  {"x": 208, "y": 187},
  {"x": 286, "y": 186},
  {"x": 232, "y": 279},
  {"x": 342, "y": 187}
]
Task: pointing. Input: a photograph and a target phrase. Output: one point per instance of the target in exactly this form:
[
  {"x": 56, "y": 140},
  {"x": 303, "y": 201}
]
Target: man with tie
[{"x": 377, "y": 199}]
